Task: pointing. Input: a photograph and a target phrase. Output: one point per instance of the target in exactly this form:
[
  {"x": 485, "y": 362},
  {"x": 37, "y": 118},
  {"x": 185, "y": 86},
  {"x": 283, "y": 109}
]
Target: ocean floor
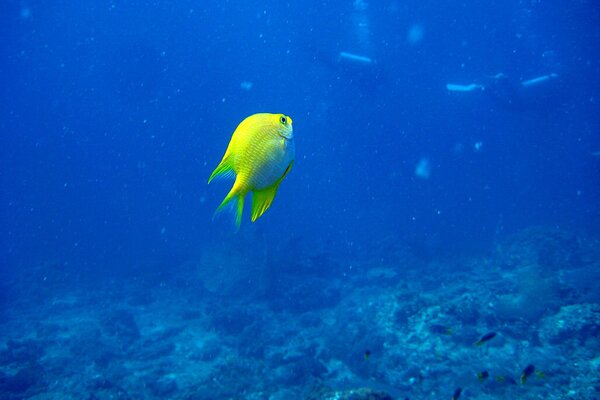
[{"x": 234, "y": 326}]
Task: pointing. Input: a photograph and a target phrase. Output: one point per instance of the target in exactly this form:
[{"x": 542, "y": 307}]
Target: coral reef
[
  {"x": 578, "y": 322},
  {"x": 383, "y": 331}
]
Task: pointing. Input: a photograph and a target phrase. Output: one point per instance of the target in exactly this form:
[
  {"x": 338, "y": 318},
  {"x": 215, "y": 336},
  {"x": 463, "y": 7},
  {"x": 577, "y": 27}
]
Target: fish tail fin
[
  {"x": 234, "y": 194},
  {"x": 223, "y": 170},
  {"x": 262, "y": 199}
]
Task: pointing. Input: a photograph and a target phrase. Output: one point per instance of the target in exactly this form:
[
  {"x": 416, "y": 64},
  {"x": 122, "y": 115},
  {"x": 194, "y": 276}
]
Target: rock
[
  {"x": 283, "y": 394},
  {"x": 100, "y": 382},
  {"x": 299, "y": 295},
  {"x": 299, "y": 372},
  {"x": 22, "y": 351},
  {"x": 550, "y": 248},
  {"x": 122, "y": 324},
  {"x": 163, "y": 387},
  {"x": 233, "y": 320},
  {"x": 231, "y": 272},
  {"x": 575, "y": 322},
  {"x": 156, "y": 351},
  {"x": 325, "y": 393},
  {"x": 209, "y": 350},
  {"x": 20, "y": 382},
  {"x": 5, "y": 357}
]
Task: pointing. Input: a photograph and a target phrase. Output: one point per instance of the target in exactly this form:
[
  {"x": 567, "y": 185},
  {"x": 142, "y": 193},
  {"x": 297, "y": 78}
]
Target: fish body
[
  {"x": 482, "y": 376},
  {"x": 367, "y": 354},
  {"x": 485, "y": 338},
  {"x": 260, "y": 154},
  {"x": 527, "y": 372},
  {"x": 457, "y": 394}
]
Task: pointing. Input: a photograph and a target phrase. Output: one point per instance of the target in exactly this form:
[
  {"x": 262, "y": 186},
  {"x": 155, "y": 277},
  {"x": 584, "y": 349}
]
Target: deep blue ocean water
[{"x": 407, "y": 198}]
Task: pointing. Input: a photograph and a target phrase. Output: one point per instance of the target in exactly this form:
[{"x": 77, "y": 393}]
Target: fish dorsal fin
[
  {"x": 262, "y": 199},
  {"x": 223, "y": 170}
]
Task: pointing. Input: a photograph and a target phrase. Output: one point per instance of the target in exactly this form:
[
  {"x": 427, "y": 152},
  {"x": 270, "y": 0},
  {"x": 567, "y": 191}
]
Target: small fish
[
  {"x": 483, "y": 375},
  {"x": 367, "y": 354},
  {"x": 457, "y": 394},
  {"x": 485, "y": 338},
  {"x": 260, "y": 154},
  {"x": 440, "y": 329},
  {"x": 527, "y": 372}
]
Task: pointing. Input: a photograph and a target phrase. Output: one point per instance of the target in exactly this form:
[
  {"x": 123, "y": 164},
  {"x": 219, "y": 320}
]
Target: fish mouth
[{"x": 289, "y": 135}]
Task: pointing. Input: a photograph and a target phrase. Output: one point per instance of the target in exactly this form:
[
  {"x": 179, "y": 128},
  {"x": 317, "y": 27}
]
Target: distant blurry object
[
  {"x": 415, "y": 34},
  {"x": 452, "y": 87},
  {"x": 423, "y": 169},
  {"x": 499, "y": 79},
  {"x": 538, "y": 80},
  {"x": 354, "y": 57},
  {"x": 515, "y": 94},
  {"x": 360, "y": 21},
  {"x": 246, "y": 85},
  {"x": 25, "y": 13}
]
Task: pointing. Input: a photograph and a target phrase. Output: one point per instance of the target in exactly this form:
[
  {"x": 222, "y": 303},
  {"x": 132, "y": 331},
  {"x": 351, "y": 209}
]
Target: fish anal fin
[{"x": 262, "y": 199}]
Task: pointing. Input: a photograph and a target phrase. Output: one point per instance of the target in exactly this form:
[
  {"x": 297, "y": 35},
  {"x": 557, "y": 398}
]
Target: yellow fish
[{"x": 260, "y": 154}]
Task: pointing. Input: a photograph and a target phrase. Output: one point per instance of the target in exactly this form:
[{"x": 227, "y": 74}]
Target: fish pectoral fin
[
  {"x": 223, "y": 170},
  {"x": 262, "y": 199},
  {"x": 287, "y": 171}
]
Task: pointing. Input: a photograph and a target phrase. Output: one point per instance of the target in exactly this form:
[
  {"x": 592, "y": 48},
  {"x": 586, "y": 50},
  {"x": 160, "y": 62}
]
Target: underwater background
[{"x": 437, "y": 237}]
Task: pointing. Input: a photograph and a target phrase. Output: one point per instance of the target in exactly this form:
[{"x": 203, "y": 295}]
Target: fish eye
[{"x": 283, "y": 120}]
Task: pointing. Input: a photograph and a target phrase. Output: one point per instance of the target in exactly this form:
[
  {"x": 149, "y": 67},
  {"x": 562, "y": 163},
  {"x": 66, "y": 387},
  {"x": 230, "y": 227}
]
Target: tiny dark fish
[
  {"x": 483, "y": 375},
  {"x": 457, "y": 394},
  {"x": 485, "y": 338},
  {"x": 440, "y": 329},
  {"x": 527, "y": 372},
  {"x": 505, "y": 379},
  {"x": 367, "y": 354}
]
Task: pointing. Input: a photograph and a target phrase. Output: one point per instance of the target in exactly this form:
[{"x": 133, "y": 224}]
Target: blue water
[{"x": 406, "y": 199}]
